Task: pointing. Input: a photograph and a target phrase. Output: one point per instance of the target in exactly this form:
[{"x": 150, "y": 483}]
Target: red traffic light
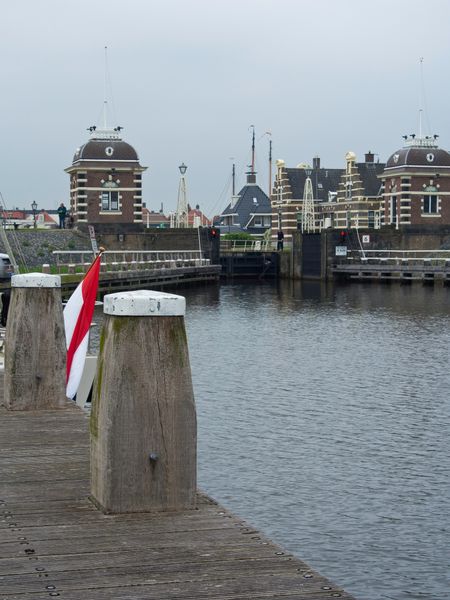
[{"x": 213, "y": 232}]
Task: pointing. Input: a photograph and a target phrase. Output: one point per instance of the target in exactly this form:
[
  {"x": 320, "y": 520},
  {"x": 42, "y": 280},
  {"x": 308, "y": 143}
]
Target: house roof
[
  {"x": 369, "y": 172},
  {"x": 323, "y": 181},
  {"x": 250, "y": 200},
  {"x": 419, "y": 155}
]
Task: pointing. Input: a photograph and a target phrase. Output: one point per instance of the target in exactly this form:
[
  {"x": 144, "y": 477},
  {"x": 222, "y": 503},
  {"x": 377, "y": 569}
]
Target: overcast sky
[{"x": 189, "y": 77}]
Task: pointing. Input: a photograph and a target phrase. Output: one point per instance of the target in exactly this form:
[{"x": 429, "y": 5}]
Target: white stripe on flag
[
  {"x": 77, "y": 367},
  {"x": 72, "y": 312}
]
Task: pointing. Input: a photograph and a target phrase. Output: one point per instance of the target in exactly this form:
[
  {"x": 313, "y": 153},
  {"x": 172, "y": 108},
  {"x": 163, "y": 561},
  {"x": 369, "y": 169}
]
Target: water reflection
[{"x": 324, "y": 420}]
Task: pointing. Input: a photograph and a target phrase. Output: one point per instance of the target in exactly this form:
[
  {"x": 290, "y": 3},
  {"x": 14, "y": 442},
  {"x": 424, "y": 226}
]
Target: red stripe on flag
[{"x": 89, "y": 287}]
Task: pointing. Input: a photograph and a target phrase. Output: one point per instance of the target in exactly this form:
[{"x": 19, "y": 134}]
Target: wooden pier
[
  {"x": 55, "y": 543},
  {"x": 385, "y": 271}
]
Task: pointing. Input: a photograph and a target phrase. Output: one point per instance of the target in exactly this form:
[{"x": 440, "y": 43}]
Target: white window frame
[{"x": 108, "y": 205}]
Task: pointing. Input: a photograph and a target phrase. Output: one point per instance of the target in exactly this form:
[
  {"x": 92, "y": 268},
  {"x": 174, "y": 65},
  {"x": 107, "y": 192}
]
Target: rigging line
[{"x": 222, "y": 194}]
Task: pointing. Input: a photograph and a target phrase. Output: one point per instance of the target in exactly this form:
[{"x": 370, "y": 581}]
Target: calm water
[{"x": 324, "y": 420}]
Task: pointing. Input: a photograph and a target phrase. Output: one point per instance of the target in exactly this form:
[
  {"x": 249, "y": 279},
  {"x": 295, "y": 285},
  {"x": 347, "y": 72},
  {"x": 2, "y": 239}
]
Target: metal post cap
[
  {"x": 144, "y": 303},
  {"x": 36, "y": 280}
]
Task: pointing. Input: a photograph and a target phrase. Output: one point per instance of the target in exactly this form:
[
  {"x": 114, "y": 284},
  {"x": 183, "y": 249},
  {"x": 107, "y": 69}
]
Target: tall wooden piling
[
  {"x": 35, "y": 348},
  {"x": 143, "y": 420}
]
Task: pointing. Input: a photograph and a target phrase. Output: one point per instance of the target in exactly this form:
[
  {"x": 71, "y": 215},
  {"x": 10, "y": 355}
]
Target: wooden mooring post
[
  {"x": 35, "y": 348},
  {"x": 143, "y": 420}
]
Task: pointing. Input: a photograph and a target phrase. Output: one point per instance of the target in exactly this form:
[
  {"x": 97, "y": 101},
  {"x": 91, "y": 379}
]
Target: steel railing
[
  {"x": 399, "y": 257},
  {"x": 248, "y": 245},
  {"x": 75, "y": 261}
]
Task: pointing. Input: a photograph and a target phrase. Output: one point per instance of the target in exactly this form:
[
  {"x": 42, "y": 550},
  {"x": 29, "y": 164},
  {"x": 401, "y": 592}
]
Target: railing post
[
  {"x": 143, "y": 421},
  {"x": 35, "y": 346}
]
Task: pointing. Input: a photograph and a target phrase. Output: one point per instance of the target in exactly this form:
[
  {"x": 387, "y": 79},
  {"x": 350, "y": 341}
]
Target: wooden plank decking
[{"x": 55, "y": 543}]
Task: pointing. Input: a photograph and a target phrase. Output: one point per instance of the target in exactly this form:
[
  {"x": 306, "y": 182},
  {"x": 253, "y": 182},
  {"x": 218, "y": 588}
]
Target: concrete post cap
[
  {"x": 144, "y": 303},
  {"x": 36, "y": 280}
]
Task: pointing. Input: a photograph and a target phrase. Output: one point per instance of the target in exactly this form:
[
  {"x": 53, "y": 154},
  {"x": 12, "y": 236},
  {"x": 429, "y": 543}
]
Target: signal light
[{"x": 213, "y": 232}]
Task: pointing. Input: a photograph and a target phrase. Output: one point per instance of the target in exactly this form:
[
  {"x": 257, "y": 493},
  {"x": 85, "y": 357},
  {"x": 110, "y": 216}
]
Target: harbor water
[{"x": 324, "y": 421}]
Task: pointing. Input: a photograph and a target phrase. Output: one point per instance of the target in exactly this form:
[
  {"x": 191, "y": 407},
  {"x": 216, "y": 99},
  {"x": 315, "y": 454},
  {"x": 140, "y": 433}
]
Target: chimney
[
  {"x": 316, "y": 162},
  {"x": 369, "y": 157},
  {"x": 251, "y": 177}
]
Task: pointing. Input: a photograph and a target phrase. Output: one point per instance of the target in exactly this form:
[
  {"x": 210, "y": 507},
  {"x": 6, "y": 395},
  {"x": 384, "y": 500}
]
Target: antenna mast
[
  {"x": 105, "y": 101},
  {"x": 253, "y": 149},
  {"x": 270, "y": 168}
]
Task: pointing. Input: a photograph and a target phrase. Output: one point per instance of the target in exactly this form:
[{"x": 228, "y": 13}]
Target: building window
[
  {"x": 110, "y": 200},
  {"x": 348, "y": 190},
  {"x": 430, "y": 204},
  {"x": 393, "y": 211}
]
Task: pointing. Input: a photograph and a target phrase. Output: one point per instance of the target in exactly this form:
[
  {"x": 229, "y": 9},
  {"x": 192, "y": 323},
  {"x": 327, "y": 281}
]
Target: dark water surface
[{"x": 324, "y": 420}]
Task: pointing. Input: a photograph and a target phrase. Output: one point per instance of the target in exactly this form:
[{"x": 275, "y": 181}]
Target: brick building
[
  {"x": 288, "y": 190},
  {"x": 106, "y": 180},
  {"x": 358, "y": 202},
  {"x": 416, "y": 183}
]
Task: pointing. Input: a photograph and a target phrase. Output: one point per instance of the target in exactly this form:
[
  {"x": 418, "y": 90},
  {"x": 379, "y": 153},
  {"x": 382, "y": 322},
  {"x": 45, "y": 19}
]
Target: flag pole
[{"x": 99, "y": 254}]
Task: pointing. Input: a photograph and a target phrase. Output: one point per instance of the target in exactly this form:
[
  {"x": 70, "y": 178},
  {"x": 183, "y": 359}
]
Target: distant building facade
[
  {"x": 288, "y": 191},
  {"x": 358, "y": 202},
  {"x": 342, "y": 198},
  {"x": 416, "y": 184},
  {"x": 196, "y": 218},
  {"x": 106, "y": 180}
]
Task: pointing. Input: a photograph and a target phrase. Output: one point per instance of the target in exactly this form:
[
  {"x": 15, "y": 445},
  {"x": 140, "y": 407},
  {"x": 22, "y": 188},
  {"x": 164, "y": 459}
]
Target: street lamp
[
  {"x": 33, "y": 208},
  {"x": 181, "y": 215}
]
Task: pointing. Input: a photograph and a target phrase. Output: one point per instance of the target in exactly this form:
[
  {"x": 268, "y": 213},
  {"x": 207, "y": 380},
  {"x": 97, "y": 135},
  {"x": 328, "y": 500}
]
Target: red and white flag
[{"x": 77, "y": 320}]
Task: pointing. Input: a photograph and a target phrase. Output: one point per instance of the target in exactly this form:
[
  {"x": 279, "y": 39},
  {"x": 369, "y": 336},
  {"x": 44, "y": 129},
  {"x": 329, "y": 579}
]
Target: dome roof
[
  {"x": 418, "y": 155},
  {"x": 107, "y": 148}
]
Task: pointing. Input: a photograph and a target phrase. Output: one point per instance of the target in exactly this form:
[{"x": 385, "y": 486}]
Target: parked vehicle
[{"x": 6, "y": 268}]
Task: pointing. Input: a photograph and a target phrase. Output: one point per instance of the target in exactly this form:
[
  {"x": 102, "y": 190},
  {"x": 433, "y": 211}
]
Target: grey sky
[{"x": 190, "y": 76}]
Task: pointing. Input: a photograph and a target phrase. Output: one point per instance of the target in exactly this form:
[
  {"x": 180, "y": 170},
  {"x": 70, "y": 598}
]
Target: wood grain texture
[
  {"x": 55, "y": 543},
  {"x": 143, "y": 405},
  {"x": 35, "y": 350}
]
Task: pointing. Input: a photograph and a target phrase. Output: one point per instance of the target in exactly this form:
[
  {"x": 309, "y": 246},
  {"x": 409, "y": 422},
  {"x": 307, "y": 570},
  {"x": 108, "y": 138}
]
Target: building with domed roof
[
  {"x": 416, "y": 184},
  {"x": 106, "y": 180}
]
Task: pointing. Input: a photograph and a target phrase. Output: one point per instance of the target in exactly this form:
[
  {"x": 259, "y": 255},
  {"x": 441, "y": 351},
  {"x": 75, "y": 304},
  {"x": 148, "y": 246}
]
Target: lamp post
[
  {"x": 181, "y": 216},
  {"x": 33, "y": 208}
]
